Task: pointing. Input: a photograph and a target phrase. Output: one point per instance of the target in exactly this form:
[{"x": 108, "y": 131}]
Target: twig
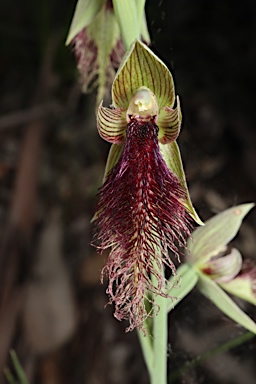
[{"x": 22, "y": 117}]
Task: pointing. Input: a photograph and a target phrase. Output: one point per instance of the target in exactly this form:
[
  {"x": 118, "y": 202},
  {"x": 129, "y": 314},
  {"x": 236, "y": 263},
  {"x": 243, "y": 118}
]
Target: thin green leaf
[
  {"x": 128, "y": 20},
  {"x": 85, "y": 12},
  {"x": 172, "y": 157},
  {"x": 18, "y": 368},
  {"x": 214, "y": 293},
  {"x": 9, "y": 376},
  {"x": 147, "y": 70},
  {"x": 212, "y": 239},
  {"x": 188, "y": 279}
]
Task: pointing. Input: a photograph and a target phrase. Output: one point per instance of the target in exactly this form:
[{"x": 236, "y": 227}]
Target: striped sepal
[
  {"x": 141, "y": 67},
  {"x": 111, "y": 124},
  {"x": 113, "y": 157},
  {"x": 172, "y": 157}
]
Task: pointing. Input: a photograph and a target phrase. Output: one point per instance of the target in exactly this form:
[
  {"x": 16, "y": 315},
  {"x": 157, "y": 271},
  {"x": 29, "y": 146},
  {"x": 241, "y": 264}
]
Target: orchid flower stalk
[{"x": 144, "y": 210}]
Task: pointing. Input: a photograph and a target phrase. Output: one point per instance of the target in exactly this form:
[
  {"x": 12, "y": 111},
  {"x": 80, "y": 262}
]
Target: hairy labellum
[
  {"x": 87, "y": 54},
  {"x": 141, "y": 216}
]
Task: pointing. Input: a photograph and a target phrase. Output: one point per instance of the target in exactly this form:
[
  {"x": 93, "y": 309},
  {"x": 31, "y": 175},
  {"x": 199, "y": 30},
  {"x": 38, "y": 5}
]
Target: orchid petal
[
  {"x": 141, "y": 67},
  {"x": 172, "y": 157},
  {"x": 85, "y": 12},
  {"x": 169, "y": 123},
  {"x": 210, "y": 240},
  {"x": 111, "y": 124},
  {"x": 214, "y": 293},
  {"x": 244, "y": 285},
  {"x": 224, "y": 268}
]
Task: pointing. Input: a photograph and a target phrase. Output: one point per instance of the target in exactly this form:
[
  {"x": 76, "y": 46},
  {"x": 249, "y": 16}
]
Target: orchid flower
[
  {"x": 211, "y": 255},
  {"x": 144, "y": 208},
  {"x": 215, "y": 267},
  {"x": 96, "y": 40}
]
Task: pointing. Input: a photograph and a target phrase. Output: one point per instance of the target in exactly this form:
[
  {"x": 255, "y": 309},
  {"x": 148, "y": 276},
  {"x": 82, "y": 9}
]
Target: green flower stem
[
  {"x": 147, "y": 349},
  {"x": 160, "y": 334},
  {"x": 154, "y": 343}
]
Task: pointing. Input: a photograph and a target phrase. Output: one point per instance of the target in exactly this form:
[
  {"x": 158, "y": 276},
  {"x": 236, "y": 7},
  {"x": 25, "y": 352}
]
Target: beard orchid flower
[
  {"x": 97, "y": 44},
  {"x": 216, "y": 263},
  {"x": 144, "y": 209}
]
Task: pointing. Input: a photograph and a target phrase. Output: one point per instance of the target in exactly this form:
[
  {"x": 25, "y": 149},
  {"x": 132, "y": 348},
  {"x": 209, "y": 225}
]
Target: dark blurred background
[{"x": 51, "y": 165}]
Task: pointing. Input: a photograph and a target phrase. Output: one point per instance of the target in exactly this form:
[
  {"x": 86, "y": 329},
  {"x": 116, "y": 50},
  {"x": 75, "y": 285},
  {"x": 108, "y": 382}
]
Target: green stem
[
  {"x": 147, "y": 350},
  {"x": 154, "y": 343},
  {"x": 160, "y": 335}
]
